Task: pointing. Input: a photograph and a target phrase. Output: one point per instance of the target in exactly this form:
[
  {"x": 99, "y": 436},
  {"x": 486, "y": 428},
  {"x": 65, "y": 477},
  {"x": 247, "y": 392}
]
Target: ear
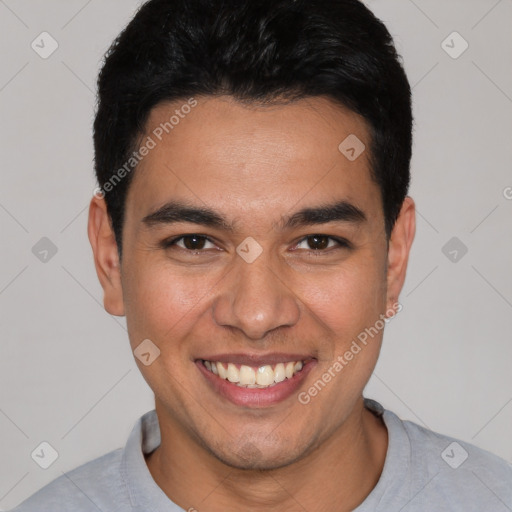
[
  {"x": 400, "y": 243},
  {"x": 106, "y": 256}
]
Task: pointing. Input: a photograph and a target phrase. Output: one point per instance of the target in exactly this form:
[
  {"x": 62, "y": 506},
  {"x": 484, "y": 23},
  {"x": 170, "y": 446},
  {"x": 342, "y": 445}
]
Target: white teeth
[
  {"x": 223, "y": 374},
  {"x": 248, "y": 377},
  {"x": 279, "y": 372},
  {"x": 289, "y": 370},
  {"x": 233, "y": 374},
  {"x": 265, "y": 375}
]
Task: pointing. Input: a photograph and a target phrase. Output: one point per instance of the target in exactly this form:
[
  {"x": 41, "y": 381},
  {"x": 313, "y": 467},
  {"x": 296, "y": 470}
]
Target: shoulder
[
  {"x": 96, "y": 485},
  {"x": 449, "y": 469},
  {"x": 454, "y": 453}
]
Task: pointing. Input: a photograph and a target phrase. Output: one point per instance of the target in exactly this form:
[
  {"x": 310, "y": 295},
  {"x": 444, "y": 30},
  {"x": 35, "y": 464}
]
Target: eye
[
  {"x": 190, "y": 242},
  {"x": 318, "y": 242}
]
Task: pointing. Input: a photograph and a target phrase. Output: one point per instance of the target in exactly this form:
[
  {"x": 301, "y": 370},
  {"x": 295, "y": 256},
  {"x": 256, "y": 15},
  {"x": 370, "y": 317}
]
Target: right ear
[{"x": 106, "y": 256}]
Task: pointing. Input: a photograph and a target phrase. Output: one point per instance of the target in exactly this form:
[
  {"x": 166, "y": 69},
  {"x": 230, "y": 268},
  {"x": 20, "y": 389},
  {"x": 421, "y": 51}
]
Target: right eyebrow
[{"x": 176, "y": 211}]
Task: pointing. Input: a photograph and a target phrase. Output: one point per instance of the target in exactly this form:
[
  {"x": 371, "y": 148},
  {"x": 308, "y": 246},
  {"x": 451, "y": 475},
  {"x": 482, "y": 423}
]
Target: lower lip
[{"x": 255, "y": 397}]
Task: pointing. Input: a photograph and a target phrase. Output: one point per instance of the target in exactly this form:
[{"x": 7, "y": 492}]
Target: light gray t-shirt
[{"x": 423, "y": 471}]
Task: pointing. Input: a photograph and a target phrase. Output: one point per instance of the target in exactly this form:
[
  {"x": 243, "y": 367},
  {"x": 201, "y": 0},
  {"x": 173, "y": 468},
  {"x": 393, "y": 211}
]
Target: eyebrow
[{"x": 177, "y": 211}]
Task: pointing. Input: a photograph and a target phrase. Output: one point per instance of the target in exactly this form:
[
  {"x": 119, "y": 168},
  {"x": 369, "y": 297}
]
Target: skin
[{"x": 255, "y": 165}]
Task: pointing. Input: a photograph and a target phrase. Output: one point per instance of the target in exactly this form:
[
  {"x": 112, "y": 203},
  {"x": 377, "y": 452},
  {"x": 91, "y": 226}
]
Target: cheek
[
  {"x": 160, "y": 301},
  {"x": 346, "y": 298},
  {"x": 163, "y": 307}
]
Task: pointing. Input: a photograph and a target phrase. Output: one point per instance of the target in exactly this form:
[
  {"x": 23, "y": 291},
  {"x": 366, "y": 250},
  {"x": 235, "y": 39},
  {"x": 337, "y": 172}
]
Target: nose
[{"x": 256, "y": 299}]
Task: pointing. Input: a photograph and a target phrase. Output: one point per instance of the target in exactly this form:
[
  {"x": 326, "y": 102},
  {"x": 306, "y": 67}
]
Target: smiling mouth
[{"x": 262, "y": 377}]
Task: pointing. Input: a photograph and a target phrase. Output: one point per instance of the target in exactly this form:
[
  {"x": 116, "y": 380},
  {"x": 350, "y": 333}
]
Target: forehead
[{"x": 240, "y": 158}]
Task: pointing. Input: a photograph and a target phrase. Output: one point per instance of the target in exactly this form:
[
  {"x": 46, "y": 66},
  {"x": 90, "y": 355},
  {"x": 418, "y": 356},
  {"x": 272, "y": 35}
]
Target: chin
[{"x": 249, "y": 455}]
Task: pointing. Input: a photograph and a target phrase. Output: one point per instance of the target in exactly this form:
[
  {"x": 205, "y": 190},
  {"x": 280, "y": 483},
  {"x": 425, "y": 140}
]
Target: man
[{"x": 253, "y": 225}]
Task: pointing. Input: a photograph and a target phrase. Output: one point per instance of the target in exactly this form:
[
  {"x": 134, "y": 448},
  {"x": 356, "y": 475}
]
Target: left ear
[
  {"x": 400, "y": 243},
  {"x": 106, "y": 256}
]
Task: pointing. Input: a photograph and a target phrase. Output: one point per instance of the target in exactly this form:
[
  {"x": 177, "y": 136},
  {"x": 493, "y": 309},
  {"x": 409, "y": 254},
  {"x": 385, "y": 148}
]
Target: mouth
[{"x": 255, "y": 381}]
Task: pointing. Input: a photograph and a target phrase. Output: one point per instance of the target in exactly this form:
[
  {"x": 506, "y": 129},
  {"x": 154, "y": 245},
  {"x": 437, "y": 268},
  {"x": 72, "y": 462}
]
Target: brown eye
[
  {"x": 194, "y": 242},
  {"x": 318, "y": 241},
  {"x": 191, "y": 242}
]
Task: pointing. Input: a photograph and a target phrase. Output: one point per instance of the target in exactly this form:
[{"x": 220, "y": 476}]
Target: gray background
[{"x": 67, "y": 375}]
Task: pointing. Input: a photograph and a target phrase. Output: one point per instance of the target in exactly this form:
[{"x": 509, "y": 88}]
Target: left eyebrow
[{"x": 341, "y": 211}]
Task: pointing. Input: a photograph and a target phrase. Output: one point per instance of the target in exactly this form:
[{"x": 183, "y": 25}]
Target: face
[{"x": 252, "y": 242}]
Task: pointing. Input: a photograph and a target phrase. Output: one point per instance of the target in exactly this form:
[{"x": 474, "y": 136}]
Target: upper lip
[{"x": 257, "y": 359}]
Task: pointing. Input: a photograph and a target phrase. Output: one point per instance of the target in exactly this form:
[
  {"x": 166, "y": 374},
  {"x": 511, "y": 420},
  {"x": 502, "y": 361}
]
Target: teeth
[
  {"x": 262, "y": 377},
  {"x": 289, "y": 370},
  {"x": 223, "y": 374},
  {"x": 265, "y": 375},
  {"x": 247, "y": 375},
  {"x": 279, "y": 372},
  {"x": 233, "y": 374}
]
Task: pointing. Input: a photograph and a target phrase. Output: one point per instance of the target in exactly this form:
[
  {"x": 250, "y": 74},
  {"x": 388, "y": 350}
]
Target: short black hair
[{"x": 257, "y": 51}]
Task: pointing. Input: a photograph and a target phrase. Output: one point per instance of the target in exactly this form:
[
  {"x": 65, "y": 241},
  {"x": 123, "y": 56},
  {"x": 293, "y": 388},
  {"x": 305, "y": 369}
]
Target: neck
[{"x": 338, "y": 475}]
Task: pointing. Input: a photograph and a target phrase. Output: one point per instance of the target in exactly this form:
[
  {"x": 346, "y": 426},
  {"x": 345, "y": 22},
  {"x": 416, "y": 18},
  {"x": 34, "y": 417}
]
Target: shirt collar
[{"x": 144, "y": 492}]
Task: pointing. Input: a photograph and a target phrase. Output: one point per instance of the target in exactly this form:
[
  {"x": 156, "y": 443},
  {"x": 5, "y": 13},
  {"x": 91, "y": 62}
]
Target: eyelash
[{"x": 342, "y": 243}]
